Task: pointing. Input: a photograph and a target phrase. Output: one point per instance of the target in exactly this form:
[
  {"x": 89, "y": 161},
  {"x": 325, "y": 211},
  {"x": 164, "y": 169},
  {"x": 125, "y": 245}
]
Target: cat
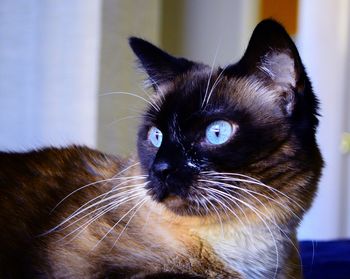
[{"x": 227, "y": 164}]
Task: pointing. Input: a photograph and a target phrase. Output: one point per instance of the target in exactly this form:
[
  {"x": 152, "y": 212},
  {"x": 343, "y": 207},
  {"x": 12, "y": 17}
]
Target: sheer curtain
[
  {"x": 49, "y": 54},
  {"x": 323, "y": 42}
]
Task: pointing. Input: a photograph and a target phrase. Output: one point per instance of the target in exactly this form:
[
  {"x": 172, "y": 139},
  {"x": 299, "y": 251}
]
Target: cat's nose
[{"x": 162, "y": 169}]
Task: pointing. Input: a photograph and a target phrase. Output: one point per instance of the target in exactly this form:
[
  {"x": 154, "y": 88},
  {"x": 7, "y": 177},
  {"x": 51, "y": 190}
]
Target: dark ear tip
[
  {"x": 142, "y": 47},
  {"x": 134, "y": 42},
  {"x": 270, "y": 25},
  {"x": 269, "y": 21}
]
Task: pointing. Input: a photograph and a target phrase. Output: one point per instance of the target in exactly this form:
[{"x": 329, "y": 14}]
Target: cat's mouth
[
  {"x": 178, "y": 197},
  {"x": 174, "y": 201},
  {"x": 177, "y": 204}
]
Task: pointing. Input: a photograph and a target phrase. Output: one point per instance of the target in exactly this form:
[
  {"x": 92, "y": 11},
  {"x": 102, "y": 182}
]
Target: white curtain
[
  {"x": 49, "y": 55},
  {"x": 323, "y": 42}
]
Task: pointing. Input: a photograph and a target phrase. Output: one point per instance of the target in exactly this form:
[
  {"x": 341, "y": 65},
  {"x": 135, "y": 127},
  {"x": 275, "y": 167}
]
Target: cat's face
[{"x": 215, "y": 139}]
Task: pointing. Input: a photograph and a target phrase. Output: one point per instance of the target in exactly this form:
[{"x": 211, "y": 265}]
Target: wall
[
  {"x": 118, "y": 113},
  {"x": 203, "y": 30}
]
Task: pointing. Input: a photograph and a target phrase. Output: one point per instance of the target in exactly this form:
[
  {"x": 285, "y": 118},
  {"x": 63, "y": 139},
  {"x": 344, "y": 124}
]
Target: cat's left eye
[
  {"x": 219, "y": 132},
  {"x": 155, "y": 136}
]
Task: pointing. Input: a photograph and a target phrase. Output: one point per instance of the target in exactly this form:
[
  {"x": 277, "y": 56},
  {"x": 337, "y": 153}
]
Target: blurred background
[{"x": 63, "y": 62}]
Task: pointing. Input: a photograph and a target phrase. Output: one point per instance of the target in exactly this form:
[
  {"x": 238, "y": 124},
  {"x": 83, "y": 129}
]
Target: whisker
[
  {"x": 154, "y": 105},
  {"x": 128, "y": 177},
  {"x": 258, "y": 182},
  {"x": 127, "y": 168},
  {"x": 117, "y": 187},
  {"x": 81, "y": 188},
  {"x": 127, "y": 224},
  {"x": 158, "y": 88},
  {"x": 123, "y": 118},
  {"x": 94, "y": 183},
  {"x": 144, "y": 91},
  {"x": 116, "y": 224},
  {"x": 223, "y": 205},
  {"x": 223, "y": 199},
  {"x": 210, "y": 75},
  {"x": 102, "y": 196},
  {"x": 112, "y": 206},
  {"x": 217, "y": 213},
  {"x": 82, "y": 209},
  {"x": 251, "y": 192},
  {"x": 217, "y": 81},
  {"x": 131, "y": 194},
  {"x": 204, "y": 205}
]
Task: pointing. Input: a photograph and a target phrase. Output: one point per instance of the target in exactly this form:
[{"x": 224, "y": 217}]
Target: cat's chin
[{"x": 179, "y": 206}]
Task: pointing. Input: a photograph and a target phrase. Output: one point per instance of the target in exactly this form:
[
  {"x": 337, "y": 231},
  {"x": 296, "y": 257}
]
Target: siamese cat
[{"x": 227, "y": 164}]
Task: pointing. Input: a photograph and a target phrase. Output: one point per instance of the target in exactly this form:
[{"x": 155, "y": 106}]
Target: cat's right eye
[
  {"x": 219, "y": 132},
  {"x": 155, "y": 136}
]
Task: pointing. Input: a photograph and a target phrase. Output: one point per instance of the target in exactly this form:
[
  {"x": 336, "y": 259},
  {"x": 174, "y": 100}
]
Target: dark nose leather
[{"x": 162, "y": 170}]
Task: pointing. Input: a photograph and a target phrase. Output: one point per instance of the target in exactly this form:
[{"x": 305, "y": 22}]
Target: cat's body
[
  {"x": 227, "y": 165},
  {"x": 156, "y": 241}
]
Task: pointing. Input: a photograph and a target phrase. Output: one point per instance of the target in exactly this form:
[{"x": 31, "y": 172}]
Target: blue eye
[
  {"x": 219, "y": 132},
  {"x": 155, "y": 136}
]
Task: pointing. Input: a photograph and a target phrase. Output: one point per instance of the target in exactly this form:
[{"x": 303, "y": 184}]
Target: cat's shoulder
[
  {"x": 56, "y": 161},
  {"x": 60, "y": 154}
]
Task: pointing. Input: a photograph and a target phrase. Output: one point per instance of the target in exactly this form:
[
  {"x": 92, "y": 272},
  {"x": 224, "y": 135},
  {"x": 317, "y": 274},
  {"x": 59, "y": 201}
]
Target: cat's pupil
[{"x": 217, "y": 131}]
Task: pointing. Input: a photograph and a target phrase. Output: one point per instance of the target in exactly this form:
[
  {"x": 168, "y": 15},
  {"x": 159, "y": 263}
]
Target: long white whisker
[
  {"x": 257, "y": 182},
  {"x": 131, "y": 217},
  {"x": 158, "y": 88},
  {"x": 116, "y": 224},
  {"x": 127, "y": 168},
  {"x": 155, "y": 106},
  {"x": 111, "y": 207},
  {"x": 102, "y": 197},
  {"x": 217, "y": 213},
  {"x": 128, "y": 178},
  {"x": 210, "y": 75},
  {"x": 123, "y": 118},
  {"x": 94, "y": 183},
  {"x": 271, "y": 218},
  {"x": 223, "y": 204},
  {"x": 136, "y": 188},
  {"x": 217, "y": 81},
  {"x": 117, "y": 187},
  {"x": 114, "y": 201},
  {"x": 251, "y": 192},
  {"x": 204, "y": 205},
  {"x": 81, "y": 188}
]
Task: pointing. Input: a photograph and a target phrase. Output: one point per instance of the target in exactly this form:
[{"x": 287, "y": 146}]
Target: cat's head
[{"x": 214, "y": 139}]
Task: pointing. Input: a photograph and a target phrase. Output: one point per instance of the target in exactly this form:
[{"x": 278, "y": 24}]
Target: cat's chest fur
[{"x": 250, "y": 251}]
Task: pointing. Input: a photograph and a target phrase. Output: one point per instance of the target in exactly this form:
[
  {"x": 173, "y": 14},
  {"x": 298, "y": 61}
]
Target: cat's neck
[{"x": 257, "y": 249}]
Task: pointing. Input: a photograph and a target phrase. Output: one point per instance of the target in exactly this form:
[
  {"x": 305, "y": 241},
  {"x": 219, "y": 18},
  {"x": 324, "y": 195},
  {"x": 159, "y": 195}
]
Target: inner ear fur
[{"x": 272, "y": 52}]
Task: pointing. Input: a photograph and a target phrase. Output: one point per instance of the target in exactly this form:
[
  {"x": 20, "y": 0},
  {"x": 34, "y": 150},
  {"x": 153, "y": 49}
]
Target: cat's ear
[
  {"x": 160, "y": 66},
  {"x": 271, "y": 53}
]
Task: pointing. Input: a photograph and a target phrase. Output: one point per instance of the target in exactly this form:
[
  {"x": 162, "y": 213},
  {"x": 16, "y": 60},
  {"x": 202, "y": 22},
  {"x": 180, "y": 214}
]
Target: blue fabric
[{"x": 326, "y": 259}]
